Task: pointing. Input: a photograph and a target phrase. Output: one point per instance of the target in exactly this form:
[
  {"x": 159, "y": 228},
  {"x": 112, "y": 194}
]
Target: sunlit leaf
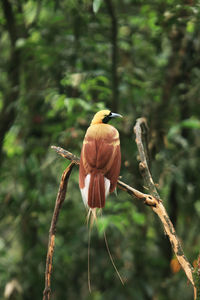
[
  {"x": 96, "y": 5},
  {"x": 191, "y": 123}
]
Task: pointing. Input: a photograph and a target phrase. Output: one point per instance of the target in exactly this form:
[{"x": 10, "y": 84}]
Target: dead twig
[
  {"x": 59, "y": 201},
  {"x": 140, "y": 130},
  {"x": 66, "y": 154}
]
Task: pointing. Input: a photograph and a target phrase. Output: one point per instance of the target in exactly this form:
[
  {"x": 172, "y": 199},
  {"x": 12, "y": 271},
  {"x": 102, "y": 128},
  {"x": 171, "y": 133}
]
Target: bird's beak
[{"x": 114, "y": 115}]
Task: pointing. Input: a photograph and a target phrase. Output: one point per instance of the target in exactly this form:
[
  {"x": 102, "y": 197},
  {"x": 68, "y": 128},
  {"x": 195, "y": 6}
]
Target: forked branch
[
  {"x": 153, "y": 200},
  {"x": 148, "y": 199},
  {"x": 141, "y": 130}
]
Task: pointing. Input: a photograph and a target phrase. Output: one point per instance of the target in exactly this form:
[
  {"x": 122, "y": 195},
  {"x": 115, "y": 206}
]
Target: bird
[
  {"x": 99, "y": 170},
  {"x": 100, "y": 161}
]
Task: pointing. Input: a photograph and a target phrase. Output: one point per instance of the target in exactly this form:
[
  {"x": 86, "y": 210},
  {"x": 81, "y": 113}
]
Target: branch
[
  {"x": 59, "y": 201},
  {"x": 114, "y": 33},
  {"x": 66, "y": 154},
  {"x": 10, "y": 21},
  {"x": 140, "y": 130},
  {"x": 153, "y": 199},
  {"x": 148, "y": 199}
]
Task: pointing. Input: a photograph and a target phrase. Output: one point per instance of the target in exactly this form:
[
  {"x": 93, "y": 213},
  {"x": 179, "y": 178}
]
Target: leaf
[
  {"x": 188, "y": 123},
  {"x": 175, "y": 265},
  {"x": 96, "y": 5},
  {"x": 191, "y": 123},
  {"x": 190, "y": 26},
  {"x": 12, "y": 145},
  {"x": 20, "y": 43}
]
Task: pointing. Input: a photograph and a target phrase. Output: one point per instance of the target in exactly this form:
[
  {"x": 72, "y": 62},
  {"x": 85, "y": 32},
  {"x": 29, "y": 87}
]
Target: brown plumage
[
  {"x": 100, "y": 160},
  {"x": 99, "y": 170}
]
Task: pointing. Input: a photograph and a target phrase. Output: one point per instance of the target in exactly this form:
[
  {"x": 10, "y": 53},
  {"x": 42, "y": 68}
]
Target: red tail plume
[{"x": 96, "y": 195}]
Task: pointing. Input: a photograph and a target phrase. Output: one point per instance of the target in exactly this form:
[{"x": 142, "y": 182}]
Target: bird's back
[{"x": 100, "y": 164}]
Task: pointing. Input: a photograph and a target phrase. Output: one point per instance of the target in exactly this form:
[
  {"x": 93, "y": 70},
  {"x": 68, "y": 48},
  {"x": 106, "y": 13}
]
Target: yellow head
[{"x": 103, "y": 116}]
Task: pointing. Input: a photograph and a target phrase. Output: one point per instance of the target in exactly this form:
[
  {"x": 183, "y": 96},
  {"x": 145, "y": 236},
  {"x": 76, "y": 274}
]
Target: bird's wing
[{"x": 101, "y": 153}]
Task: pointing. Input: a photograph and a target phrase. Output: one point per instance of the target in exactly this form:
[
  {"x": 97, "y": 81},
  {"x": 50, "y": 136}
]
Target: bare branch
[
  {"x": 148, "y": 199},
  {"x": 140, "y": 130},
  {"x": 66, "y": 154},
  {"x": 10, "y": 21},
  {"x": 114, "y": 34},
  {"x": 59, "y": 201},
  {"x": 153, "y": 199}
]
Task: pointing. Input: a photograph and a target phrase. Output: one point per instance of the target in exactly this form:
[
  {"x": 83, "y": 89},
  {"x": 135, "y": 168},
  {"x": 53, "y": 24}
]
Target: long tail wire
[
  {"x": 91, "y": 217},
  {"x": 89, "y": 239},
  {"x": 111, "y": 258}
]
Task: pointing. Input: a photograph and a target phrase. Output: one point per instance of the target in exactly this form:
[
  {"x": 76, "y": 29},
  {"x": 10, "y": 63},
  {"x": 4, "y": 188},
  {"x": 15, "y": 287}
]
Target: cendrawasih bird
[
  {"x": 100, "y": 161},
  {"x": 99, "y": 169}
]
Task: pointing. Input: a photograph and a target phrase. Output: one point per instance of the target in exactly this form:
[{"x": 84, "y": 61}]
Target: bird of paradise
[{"x": 99, "y": 168}]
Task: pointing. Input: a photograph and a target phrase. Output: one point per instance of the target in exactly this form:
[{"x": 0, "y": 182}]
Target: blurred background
[{"x": 60, "y": 62}]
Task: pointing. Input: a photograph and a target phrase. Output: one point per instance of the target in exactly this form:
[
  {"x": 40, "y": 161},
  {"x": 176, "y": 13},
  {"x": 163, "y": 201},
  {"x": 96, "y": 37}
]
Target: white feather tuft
[
  {"x": 107, "y": 186},
  {"x": 84, "y": 191}
]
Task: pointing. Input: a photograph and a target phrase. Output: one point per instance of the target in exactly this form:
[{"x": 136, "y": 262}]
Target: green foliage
[
  {"x": 62, "y": 51},
  {"x": 96, "y": 5}
]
